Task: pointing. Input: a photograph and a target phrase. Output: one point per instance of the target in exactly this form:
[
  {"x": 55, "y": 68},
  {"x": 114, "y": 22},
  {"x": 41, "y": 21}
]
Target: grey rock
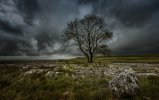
[
  {"x": 50, "y": 74},
  {"x": 147, "y": 74},
  {"x": 124, "y": 84},
  {"x": 35, "y": 71}
]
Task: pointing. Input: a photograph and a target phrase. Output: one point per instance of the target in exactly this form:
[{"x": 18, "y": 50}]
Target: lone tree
[{"x": 89, "y": 34}]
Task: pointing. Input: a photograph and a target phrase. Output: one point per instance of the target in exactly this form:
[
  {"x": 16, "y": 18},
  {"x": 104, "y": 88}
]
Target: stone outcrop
[
  {"x": 124, "y": 84},
  {"x": 93, "y": 70}
]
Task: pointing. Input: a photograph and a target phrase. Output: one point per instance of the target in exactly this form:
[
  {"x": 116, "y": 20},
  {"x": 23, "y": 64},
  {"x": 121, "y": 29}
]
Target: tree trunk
[{"x": 90, "y": 59}]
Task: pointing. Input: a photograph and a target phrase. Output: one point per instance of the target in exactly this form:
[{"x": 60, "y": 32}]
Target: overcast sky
[{"x": 34, "y": 27}]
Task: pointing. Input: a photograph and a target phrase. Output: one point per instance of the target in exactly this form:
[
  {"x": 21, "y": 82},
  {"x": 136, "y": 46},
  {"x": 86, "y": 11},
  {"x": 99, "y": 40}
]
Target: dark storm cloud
[
  {"x": 132, "y": 12},
  {"x": 133, "y": 22},
  {"x": 34, "y": 27},
  {"x": 8, "y": 28},
  {"x": 28, "y": 8}
]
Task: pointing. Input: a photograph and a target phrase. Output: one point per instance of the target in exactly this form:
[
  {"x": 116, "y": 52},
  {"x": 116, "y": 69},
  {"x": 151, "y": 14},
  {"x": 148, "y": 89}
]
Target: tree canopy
[{"x": 89, "y": 34}]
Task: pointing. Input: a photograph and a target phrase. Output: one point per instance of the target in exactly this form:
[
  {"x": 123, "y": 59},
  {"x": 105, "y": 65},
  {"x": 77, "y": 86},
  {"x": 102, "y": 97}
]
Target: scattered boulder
[
  {"x": 147, "y": 74},
  {"x": 125, "y": 84},
  {"x": 35, "y": 71},
  {"x": 50, "y": 74}
]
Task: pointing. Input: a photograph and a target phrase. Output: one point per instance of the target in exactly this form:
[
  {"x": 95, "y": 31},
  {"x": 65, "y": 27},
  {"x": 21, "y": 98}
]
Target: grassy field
[
  {"x": 15, "y": 85},
  {"x": 119, "y": 59}
]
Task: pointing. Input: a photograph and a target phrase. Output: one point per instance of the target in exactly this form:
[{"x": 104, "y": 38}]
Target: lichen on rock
[{"x": 124, "y": 84}]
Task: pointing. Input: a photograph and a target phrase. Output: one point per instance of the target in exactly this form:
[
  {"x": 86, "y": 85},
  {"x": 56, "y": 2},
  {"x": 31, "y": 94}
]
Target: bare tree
[
  {"x": 104, "y": 50},
  {"x": 89, "y": 34}
]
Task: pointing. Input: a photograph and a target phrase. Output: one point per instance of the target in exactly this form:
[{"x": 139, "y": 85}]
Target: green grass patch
[{"x": 117, "y": 59}]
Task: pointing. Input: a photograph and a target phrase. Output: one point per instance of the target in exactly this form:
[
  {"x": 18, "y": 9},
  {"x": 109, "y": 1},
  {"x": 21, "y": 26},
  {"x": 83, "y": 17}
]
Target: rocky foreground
[
  {"x": 124, "y": 75},
  {"x": 139, "y": 80},
  {"x": 82, "y": 70}
]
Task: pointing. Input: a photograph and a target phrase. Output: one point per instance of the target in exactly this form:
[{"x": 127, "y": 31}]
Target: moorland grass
[
  {"x": 117, "y": 59},
  {"x": 14, "y": 85}
]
